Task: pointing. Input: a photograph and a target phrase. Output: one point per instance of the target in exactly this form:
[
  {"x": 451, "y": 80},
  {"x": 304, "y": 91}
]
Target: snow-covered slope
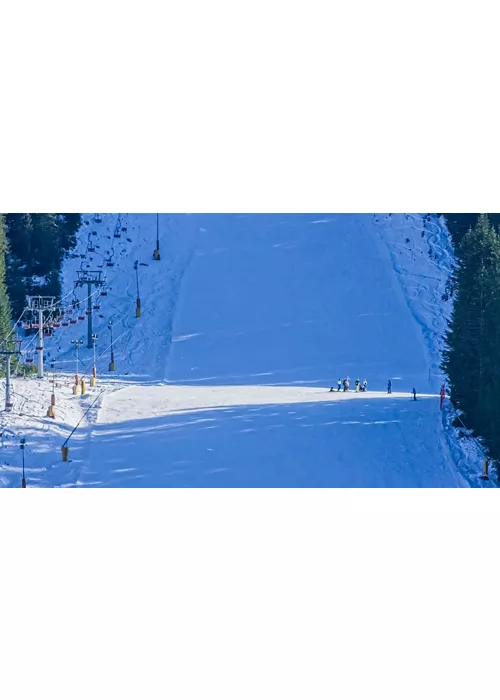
[{"x": 245, "y": 323}]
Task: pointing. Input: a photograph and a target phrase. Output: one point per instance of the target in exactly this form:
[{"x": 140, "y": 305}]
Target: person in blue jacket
[{"x": 389, "y": 387}]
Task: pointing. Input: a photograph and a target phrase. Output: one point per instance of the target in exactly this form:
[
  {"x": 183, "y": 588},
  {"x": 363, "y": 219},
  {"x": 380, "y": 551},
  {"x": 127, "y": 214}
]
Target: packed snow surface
[{"x": 246, "y": 322}]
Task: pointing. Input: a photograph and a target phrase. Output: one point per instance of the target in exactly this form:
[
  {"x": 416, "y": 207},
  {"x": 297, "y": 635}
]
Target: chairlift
[
  {"x": 124, "y": 229},
  {"x": 88, "y": 312},
  {"x": 104, "y": 293},
  {"x": 97, "y": 307},
  {"x": 98, "y": 218},
  {"x": 117, "y": 234},
  {"x": 73, "y": 321},
  {"x": 109, "y": 263},
  {"x": 91, "y": 249},
  {"x": 65, "y": 324},
  {"x": 29, "y": 360},
  {"x": 94, "y": 233},
  {"x": 57, "y": 325},
  {"x": 81, "y": 317}
]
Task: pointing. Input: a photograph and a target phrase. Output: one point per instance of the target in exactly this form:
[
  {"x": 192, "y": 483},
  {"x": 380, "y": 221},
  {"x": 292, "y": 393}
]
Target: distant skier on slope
[
  {"x": 389, "y": 387},
  {"x": 365, "y": 384},
  {"x": 339, "y": 384},
  {"x": 357, "y": 385},
  {"x": 414, "y": 394}
]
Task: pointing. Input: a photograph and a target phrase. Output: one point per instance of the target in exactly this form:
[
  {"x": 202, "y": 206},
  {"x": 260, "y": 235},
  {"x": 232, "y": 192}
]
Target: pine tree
[
  {"x": 5, "y": 312},
  {"x": 472, "y": 356},
  {"x": 20, "y": 232},
  {"x": 38, "y": 244},
  {"x": 69, "y": 225}
]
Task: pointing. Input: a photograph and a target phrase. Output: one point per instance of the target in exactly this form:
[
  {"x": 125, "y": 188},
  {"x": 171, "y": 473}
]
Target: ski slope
[{"x": 245, "y": 323}]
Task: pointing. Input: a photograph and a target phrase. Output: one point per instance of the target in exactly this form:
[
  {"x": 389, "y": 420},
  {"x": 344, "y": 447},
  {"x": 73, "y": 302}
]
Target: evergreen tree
[
  {"x": 69, "y": 224},
  {"x": 38, "y": 244},
  {"x": 472, "y": 356},
  {"x": 20, "y": 232},
  {"x": 5, "y": 313},
  {"x": 459, "y": 224}
]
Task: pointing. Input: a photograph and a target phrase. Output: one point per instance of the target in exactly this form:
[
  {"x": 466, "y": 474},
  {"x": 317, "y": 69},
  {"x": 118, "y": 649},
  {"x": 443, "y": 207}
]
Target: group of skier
[{"x": 344, "y": 385}]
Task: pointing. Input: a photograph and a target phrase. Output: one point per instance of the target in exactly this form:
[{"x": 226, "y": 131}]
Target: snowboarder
[
  {"x": 414, "y": 394},
  {"x": 389, "y": 387},
  {"x": 357, "y": 385},
  {"x": 365, "y": 384}
]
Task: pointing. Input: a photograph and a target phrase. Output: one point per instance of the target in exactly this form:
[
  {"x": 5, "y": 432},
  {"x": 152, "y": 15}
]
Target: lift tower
[
  {"x": 89, "y": 278},
  {"x": 39, "y": 305}
]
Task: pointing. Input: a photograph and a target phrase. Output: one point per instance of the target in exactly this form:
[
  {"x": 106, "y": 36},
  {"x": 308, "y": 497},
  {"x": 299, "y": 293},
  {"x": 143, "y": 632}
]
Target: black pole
[
  {"x": 23, "y": 482},
  {"x": 112, "y": 363},
  {"x": 89, "y": 314}
]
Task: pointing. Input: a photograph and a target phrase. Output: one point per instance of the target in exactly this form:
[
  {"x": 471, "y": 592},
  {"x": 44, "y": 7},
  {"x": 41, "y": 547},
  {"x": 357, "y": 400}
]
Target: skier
[
  {"x": 389, "y": 387},
  {"x": 414, "y": 394},
  {"x": 365, "y": 384},
  {"x": 345, "y": 384},
  {"x": 357, "y": 385},
  {"x": 338, "y": 386}
]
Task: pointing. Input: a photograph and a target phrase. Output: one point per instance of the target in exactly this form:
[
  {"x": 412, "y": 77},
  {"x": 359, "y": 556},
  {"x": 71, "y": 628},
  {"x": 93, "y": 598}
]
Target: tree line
[
  {"x": 472, "y": 354},
  {"x": 33, "y": 253}
]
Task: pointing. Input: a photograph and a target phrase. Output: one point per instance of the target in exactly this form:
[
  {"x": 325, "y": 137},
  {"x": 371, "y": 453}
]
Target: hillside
[{"x": 246, "y": 322}]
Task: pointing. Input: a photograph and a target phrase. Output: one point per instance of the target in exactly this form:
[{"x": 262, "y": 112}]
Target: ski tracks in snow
[{"x": 423, "y": 266}]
